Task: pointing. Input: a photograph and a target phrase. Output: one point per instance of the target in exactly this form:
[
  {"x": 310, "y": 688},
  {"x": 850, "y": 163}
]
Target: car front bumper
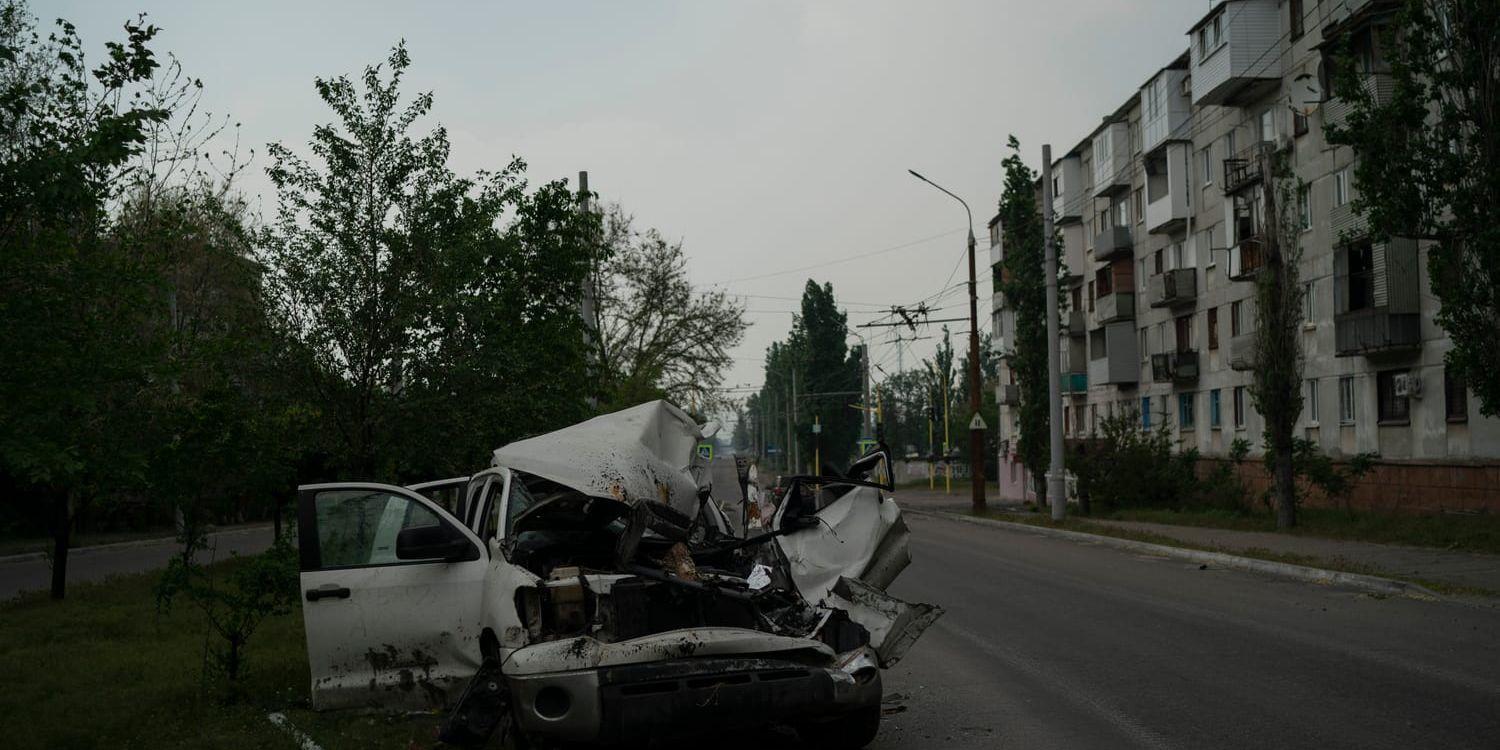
[{"x": 635, "y": 702}]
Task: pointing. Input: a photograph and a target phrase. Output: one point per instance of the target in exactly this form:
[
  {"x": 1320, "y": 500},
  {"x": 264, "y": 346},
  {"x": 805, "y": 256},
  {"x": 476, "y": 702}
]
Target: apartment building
[{"x": 1162, "y": 217}]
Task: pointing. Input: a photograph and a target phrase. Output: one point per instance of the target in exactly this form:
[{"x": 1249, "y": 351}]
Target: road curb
[
  {"x": 1367, "y": 583},
  {"x": 28, "y": 556}
]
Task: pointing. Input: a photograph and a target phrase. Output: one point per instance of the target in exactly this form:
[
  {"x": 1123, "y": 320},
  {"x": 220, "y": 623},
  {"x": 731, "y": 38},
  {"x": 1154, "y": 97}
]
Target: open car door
[
  {"x": 392, "y": 585},
  {"x": 845, "y": 541}
]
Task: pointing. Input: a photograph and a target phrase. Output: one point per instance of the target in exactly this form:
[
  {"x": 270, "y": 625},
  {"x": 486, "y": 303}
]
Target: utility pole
[
  {"x": 796, "y": 442},
  {"x": 977, "y": 426},
  {"x": 1056, "y": 473},
  {"x": 869, "y": 420},
  {"x": 588, "y": 304}
]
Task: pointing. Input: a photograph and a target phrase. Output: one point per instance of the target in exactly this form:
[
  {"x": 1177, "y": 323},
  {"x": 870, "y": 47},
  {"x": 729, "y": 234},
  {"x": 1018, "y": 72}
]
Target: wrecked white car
[{"x": 585, "y": 588}]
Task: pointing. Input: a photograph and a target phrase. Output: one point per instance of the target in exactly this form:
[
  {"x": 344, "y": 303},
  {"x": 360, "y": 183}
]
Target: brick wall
[{"x": 1399, "y": 486}]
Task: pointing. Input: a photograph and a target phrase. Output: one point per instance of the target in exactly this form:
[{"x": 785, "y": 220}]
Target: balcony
[
  {"x": 1068, "y": 199},
  {"x": 1379, "y": 86},
  {"x": 1114, "y": 358},
  {"x": 1375, "y": 331},
  {"x": 1114, "y": 242},
  {"x": 1245, "y": 168},
  {"x": 1170, "y": 118},
  {"x": 1346, "y": 223},
  {"x": 1172, "y": 288},
  {"x": 1008, "y": 395},
  {"x": 1242, "y": 351},
  {"x": 1075, "y": 382},
  {"x": 1112, "y": 152},
  {"x": 1115, "y": 307},
  {"x": 1233, "y": 52},
  {"x": 1076, "y": 323},
  {"x": 1167, "y": 189},
  {"x": 1175, "y": 367},
  {"x": 1246, "y": 258}
]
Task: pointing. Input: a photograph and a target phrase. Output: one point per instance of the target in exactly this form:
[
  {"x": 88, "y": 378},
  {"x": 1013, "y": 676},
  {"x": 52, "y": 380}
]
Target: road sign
[
  {"x": 977, "y": 423},
  {"x": 817, "y": 428},
  {"x": 706, "y": 451}
]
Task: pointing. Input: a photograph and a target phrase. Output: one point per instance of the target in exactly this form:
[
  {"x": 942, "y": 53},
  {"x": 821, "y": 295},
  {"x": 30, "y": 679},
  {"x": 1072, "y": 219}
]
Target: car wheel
[{"x": 852, "y": 730}]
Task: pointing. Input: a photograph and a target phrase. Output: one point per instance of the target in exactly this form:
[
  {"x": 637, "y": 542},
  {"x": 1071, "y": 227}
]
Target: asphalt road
[
  {"x": 1050, "y": 643},
  {"x": 98, "y": 563}
]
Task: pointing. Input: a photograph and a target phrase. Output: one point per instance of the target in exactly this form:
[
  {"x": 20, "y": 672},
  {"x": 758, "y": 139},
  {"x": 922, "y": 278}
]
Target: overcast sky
[{"x": 768, "y": 136}]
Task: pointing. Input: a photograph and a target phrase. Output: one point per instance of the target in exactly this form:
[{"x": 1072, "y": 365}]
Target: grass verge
[
  {"x": 1259, "y": 553},
  {"x": 1469, "y": 533},
  {"x": 102, "y": 669}
]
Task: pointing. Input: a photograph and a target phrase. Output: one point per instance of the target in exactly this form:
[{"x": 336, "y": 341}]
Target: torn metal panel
[
  {"x": 894, "y": 624},
  {"x": 644, "y": 453},
  {"x": 858, "y": 533}
]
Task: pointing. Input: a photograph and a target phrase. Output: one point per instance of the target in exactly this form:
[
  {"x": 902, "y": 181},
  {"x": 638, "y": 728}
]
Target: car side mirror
[{"x": 434, "y": 542}]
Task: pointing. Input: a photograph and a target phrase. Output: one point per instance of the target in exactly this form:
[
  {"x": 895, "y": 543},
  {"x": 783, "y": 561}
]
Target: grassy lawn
[
  {"x": 1472, "y": 533},
  {"x": 103, "y": 670}
]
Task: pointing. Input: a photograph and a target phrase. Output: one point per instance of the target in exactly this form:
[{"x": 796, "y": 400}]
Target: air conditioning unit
[{"x": 1407, "y": 385}]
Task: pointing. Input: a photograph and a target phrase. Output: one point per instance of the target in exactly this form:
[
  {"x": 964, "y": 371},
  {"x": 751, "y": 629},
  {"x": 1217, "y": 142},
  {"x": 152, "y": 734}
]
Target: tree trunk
[
  {"x": 1286, "y": 488},
  {"x": 62, "y": 521}
]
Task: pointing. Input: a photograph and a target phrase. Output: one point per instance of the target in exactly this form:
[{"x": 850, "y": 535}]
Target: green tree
[
  {"x": 1276, "y": 383},
  {"x": 816, "y": 362},
  {"x": 433, "y": 330},
  {"x": 73, "y": 302},
  {"x": 657, "y": 337},
  {"x": 1430, "y": 160},
  {"x": 1024, "y": 287}
]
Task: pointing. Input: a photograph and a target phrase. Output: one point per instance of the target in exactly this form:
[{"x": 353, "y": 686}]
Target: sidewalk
[{"x": 1466, "y": 569}]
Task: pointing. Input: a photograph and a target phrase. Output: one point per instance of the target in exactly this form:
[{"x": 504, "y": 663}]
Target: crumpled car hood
[{"x": 647, "y": 453}]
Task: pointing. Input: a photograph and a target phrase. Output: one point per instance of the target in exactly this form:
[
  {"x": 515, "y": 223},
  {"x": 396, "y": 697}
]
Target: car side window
[{"x": 359, "y": 527}]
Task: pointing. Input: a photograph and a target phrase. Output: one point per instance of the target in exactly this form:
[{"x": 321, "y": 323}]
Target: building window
[
  {"x": 1455, "y": 397},
  {"x": 1185, "y": 411},
  {"x": 1146, "y": 413},
  {"x": 1394, "y": 408},
  {"x": 1056, "y": 186},
  {"x": 1214, "y": 414},
  {"x": 1239, "y": 407},
  {"x": 1140, "y": 206},
  {"x": 1307, "y": 301},
  {"x": 1304, "y": 208},
  {"x": 1156, "y": 261},
  {"x": 1206, "y": 161},
  {"x": 1213, "y": 328},
  {"x": 1145, "y": 351},
  {"x": 1122, "y": 213},
  {"x": 1361, "y": 284},
  {"x": 1299, "y": 124},
  {"x": 1091, "y": 296},
  {"x": 1295, "y": 8},
  {"x": 1235, "y": 319},
  {"x": 1183, "y": 328},
  {"x": 1346, "y": 400},
  {"x": 1142, "y": 274},
  {"x": 1267, "y": 126},
  {"x": 1341, "y": 187},
  {"x": 1093, "y": 418},
  {"x": 1312, "y": 402}
]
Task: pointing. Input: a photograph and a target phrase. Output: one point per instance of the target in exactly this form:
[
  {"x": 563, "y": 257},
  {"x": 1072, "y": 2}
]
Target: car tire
[{"x": 849, "y": 732}]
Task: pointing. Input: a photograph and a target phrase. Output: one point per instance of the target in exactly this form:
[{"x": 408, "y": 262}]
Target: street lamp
[{"x": 976, "y": 427}]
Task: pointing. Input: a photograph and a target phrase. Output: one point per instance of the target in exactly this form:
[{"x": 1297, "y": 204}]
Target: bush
[
  {"x": 1134, "y": 468},
  {"x": 233, "y": 605},
  {"x": 1336, "y": 481}
]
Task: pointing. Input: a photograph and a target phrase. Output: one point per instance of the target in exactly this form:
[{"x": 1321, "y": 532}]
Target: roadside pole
[{"x": 1056, "y": 484}]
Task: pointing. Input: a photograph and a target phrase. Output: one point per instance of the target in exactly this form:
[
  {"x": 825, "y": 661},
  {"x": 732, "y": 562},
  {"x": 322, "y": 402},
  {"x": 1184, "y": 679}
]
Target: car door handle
[{"x": 327, "y": 592}]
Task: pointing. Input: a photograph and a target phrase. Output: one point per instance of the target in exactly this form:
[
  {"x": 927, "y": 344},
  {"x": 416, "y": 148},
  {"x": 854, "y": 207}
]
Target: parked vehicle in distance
[{"x": 585, "y": 588}]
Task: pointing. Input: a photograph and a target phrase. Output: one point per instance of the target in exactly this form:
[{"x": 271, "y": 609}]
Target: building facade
[{"x": 1162, "y": 215}]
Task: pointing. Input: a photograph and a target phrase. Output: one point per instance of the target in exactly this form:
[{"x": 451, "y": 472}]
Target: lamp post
[{"x": 976, "y": 427}]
